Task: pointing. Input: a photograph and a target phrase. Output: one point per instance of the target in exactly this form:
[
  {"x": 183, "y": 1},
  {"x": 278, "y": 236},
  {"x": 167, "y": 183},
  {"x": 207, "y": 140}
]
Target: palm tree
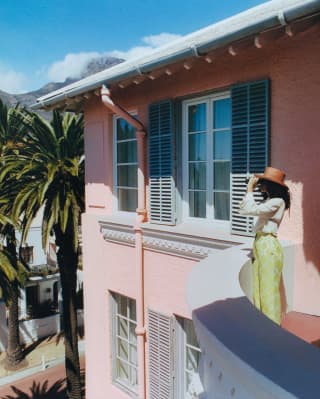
[
  {"x": 49, "y": 173},
  {"x": 12, "y": 271},
  {"x": 15, "y": 357},
  {"x": 8, "y": 273}
]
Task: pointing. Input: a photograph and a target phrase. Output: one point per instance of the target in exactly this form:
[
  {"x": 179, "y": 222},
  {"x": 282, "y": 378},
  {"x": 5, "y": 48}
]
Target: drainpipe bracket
[
  {"x": 140, "y": 331},
  {"x": 141, "y": 217},
  {"x": 141, "y": 133}
]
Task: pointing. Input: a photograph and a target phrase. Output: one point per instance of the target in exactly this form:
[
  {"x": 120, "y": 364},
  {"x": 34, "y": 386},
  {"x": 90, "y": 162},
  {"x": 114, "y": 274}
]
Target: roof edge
[{"x": 255, "y": 20}]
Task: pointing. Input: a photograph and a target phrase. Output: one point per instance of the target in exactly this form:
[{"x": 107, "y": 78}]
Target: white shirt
[{"x": 268, "y": 214}]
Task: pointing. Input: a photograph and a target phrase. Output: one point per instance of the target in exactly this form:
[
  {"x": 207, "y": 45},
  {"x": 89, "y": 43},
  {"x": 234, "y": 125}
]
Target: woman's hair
[{"x": 275, "y": 190}]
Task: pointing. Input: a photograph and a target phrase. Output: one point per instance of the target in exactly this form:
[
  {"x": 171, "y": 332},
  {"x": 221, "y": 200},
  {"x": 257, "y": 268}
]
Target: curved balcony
[{"x": 244, "y": 354}]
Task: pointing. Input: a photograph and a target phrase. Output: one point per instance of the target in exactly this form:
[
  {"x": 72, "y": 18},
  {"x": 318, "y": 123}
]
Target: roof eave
[{"x": 282, "y": 17}]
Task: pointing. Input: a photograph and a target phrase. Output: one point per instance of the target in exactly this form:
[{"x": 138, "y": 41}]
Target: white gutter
[{"x": 269, "y": 15}]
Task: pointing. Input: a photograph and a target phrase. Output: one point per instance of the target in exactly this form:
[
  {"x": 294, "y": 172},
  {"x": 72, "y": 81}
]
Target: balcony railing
[{"x": 244, "y": 354}]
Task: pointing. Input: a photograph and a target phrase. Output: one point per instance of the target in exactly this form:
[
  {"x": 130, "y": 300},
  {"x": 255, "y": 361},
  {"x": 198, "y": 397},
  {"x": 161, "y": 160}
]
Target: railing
[
  {"x": 34, "y": 329},
  {"x": 244, "y": 354}
]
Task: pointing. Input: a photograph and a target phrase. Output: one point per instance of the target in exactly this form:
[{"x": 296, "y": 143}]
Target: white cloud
[
  {"x": 71, "y": 66},
  {"x": 11, "y": 81},
  {"x": 74, "y": 64},
  {"x": 161, "y": 39},
  {"x": 152, "y": 42}
]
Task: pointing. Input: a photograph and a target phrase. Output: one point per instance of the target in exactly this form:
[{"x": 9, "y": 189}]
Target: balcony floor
[{"x": 306, "y": 327}]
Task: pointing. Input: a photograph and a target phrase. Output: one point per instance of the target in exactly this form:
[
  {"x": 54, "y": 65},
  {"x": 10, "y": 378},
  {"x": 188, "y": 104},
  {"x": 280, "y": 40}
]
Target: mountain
[{"x": 26, "y": 99}]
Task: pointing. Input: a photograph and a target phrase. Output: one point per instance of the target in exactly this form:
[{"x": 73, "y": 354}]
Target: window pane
[
  {"x": 133, "y": 354},
  {"x": 127, "y": 175},
  {"x": 197, "y": 175},
  {"x": 197, "y": 147},
  {"x": 127, "y": 199},
  {"x": 221, "y": 179},
  {"x": 188, "y": 381},
  {"x": 222, "y": 206},
  {"x": 222, "y": 113},
  {"x": 122, "y": 305},
  {"x": 124, "y": 355},
  {"x": 197, "y": 204},
  {"x": 222, "y": 145},
  {"x": 124, "y": 130},
  {"x": 190, "y": 333},
  {"x": 127, "y": 152},
  {"x": 134, "y": 376},
  {"x": 192, "y": 359},
  {"x": 123, "y": 349},
  {"x": 133, "y": 337},
  {"x": 123, "y": 370},
  {"x": 132, "y": 309},
  {"x": 197, "y": 117},
  {"x": 122, "y": 328}
]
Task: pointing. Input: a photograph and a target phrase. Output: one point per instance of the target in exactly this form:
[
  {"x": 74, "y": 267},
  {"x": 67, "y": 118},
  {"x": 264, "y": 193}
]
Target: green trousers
[{"x": 267, "y": 269}]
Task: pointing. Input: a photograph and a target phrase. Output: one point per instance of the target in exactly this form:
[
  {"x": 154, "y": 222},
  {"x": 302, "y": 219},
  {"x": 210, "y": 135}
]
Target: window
[
  {"x": 124, "y": 342},
  {"x": 187, "y": 358},
  {"x": 207, "y": 157},
  {"x": 125, "y": 166}
]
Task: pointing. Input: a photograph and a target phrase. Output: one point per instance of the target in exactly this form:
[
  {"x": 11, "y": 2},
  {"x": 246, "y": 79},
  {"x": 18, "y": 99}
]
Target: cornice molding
[
  {"x": 181, "y": 244},
  {"x": 165, "y": 242},
  {"x": 116, "y": 233}
]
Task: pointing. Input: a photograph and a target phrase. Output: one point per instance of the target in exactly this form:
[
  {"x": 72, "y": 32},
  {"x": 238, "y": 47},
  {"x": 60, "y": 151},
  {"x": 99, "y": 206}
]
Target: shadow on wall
[
  {"x": 311, "y": 216},
  {"x": 304, "y": 219}
]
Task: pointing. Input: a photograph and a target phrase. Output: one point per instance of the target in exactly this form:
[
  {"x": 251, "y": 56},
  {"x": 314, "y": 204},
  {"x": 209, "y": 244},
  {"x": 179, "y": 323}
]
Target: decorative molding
[
  {"x": 177, "y": 244},
  {"x": 181, "y": 244},
  {"x": 176, "y": 248},
  {"x": 117, "y": 233}
]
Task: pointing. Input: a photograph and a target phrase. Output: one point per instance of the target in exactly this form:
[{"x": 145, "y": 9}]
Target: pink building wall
[{"x": 293, "y": 68}]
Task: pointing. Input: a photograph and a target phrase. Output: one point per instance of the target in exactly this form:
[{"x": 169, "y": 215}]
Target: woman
[{"x": 267, "y": 251}]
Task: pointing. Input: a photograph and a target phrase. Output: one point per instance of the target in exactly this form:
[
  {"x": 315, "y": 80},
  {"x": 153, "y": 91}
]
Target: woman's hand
[{"x": 252, "y": 184}]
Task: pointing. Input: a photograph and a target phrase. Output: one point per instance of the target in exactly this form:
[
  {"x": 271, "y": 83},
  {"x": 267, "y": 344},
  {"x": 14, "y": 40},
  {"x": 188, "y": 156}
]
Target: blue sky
[{"x": 48, "y": 40}]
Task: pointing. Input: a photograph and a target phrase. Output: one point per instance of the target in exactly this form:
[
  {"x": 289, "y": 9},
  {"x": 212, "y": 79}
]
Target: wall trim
[
  {"x": 177, "y": 244},
  {"x": 117, "y": 233}
]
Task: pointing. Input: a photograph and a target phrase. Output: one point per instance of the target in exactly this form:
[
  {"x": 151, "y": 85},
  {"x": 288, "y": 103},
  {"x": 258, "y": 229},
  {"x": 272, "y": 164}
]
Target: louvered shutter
[
  {"x": 160, "y": 356},
  {"x": 250, "y": 143},
  {"x": 161, "y": 160}
]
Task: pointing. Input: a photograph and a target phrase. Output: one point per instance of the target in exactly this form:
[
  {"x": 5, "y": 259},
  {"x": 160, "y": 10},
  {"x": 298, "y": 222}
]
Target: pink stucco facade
[{"x": 292, "y": 65}]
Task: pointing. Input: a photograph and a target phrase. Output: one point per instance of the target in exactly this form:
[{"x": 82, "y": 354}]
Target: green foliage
[
  {"x": 44, "y": 168},
  {"x": 48, "y": 171},
  {"x": 11, "y": 269}
]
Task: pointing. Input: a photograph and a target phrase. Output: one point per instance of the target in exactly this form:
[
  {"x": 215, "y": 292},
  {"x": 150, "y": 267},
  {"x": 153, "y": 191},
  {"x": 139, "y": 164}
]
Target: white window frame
[
  {"x": 131, "y": 390},
  {"x": 224, "y": 224},
  {"x": 115, "y": 167},
  {"x": 180, "y": 347}
]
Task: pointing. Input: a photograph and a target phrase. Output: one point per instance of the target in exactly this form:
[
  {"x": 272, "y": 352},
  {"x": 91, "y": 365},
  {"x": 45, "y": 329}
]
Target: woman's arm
[{"x": 248, "y": 206}]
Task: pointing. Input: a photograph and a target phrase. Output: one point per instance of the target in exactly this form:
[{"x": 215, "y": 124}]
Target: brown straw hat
[{"x": 274, "y": 175}]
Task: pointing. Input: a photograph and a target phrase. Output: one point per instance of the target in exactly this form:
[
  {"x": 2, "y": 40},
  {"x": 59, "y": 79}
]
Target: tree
[
  {"x": 12, "y": 272},
  {"x": 48, "y": 172},
  {"x": 15, "y": 357},
  {"x": 8, "y": 272}
]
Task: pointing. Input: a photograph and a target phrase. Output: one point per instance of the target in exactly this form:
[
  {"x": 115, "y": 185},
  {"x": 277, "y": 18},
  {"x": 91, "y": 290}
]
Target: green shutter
[
  {"x": 250, "y": 143},
  {"x": 161, "y": 163}
]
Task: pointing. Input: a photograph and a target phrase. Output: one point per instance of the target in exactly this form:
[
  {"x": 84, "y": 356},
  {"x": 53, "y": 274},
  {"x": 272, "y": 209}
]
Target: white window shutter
[
  {"x": 250, "y": 144},
  {"x": 160, "y": 356},
  {"x": 161, "y": 163}
]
